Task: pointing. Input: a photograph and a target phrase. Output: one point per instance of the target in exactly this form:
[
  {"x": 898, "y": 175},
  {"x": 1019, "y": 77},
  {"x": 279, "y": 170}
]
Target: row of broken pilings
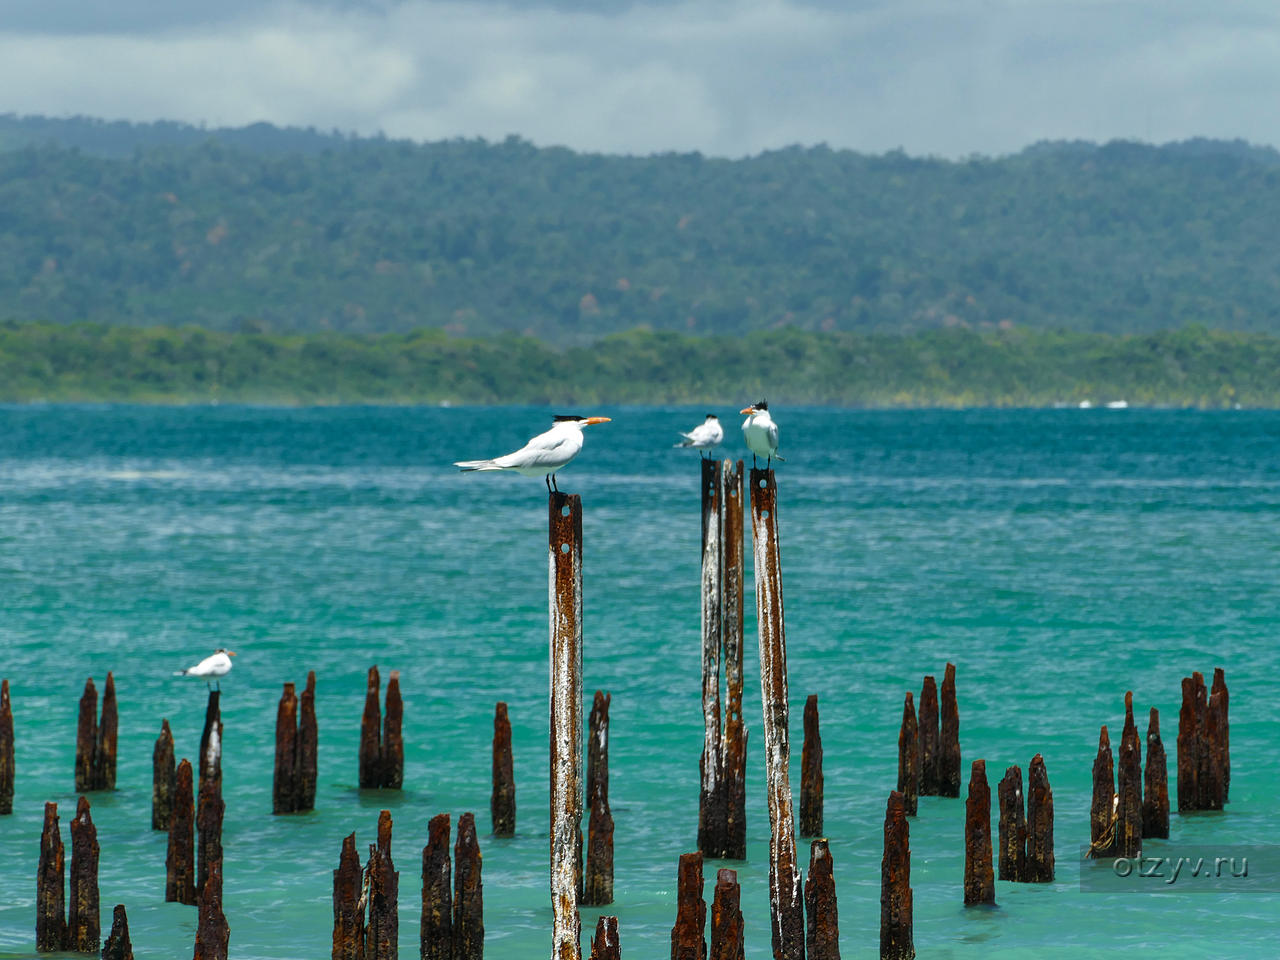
[
  {"x": 1025, "y": 837},
  {"x": 929, "y": 745}
]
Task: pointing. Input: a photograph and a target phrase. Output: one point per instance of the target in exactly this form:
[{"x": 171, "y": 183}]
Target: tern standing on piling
[
  {"x": 544, "y": 455},
  {"x": 705, "y": 436},
  {"x": 215, "y": 666},
  {"x": 761, "y": 433}
]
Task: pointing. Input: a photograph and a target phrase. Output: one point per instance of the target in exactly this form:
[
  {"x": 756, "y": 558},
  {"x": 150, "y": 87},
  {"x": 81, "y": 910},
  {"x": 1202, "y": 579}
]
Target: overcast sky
[{"x": 946, "y": 77}]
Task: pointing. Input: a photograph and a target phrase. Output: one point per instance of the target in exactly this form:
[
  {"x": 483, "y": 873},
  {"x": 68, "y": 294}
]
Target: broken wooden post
[
  {"x": 86, "y": 737},
  {"x": 597, "y": 879},
  {"x": 308, "y": 746},
  {"x": 1219, "y": 689},
  {"x": 1102, "y": 811},
  {"x": 1040, "y": 862},
  {"x": 604, "y": 945},
  {"x": 811, "y": 772},
  {"x": 564, "y": 538},
  {"x": 909, "y": 757},
  {"x": 51, "y": 912},
  {"x": 164, "y": 774},
  {"x": 1212, "y": 758},
  {"x": 733, "y": 776},
  {"x": 1155, "y": 783},
  {"x": 1012, "y": 832},
  {"x": 382, "y": 930},
  {"x": 371, "y": 734},
  {"x": 210, "y": 759},
  {"x": 84, "y": 933},
  {"x": 711, "y": 799},
  {"x": 502, "y": 802},
  {"x": 6, "y": 751},
  {"x": 348, "y": 905},
  {"x": 896, "y": 942},
  {"x": 929, "y": 738},
  {"x": 726, "y": 918},
  {"x": 1129, "y": 786},
  {"x": 209, "y": 813},
  {"x": 688, "y": 936},
  {"x": 180, "y": 877},
  {"x": 785, "y": 902},
  {"x": 104, "y": 755},
  {"x": 213, "y": 934},
  {"x": 284, "y": 781},
  {"x": 436, "y": 932},
  {"x": 822, "y": 938},
  {"x": 949, "y": 737},
  {"x": 392, "y": 740},
  {"x": 1188, "y": 747},
  {"x": 979, "y": 878},
  {"x": 118, "y": 946},
  {"x": 468, "y": 893}
]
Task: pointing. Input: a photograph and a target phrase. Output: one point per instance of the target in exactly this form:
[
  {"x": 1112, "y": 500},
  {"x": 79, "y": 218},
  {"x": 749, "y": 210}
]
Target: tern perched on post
[
  {"x": 544, "y": 455},
  {"x": 705, "y": 436},
  {"x": 216, "y": 665},
  {"x": 761, "y": 433}
]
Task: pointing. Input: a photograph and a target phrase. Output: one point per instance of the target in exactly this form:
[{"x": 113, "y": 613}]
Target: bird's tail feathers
[
  {"x": 179, "y": 673},
  {"x": 686, "y": 442},
  {"x": 468, "y": 465},
  {"x": 776, "y": 457}
]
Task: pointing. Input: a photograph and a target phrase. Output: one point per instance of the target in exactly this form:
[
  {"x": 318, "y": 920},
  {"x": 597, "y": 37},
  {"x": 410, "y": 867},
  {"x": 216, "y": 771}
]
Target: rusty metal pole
[
  {"x": 564, "y": 530},
  {"x": 6, "y": 751},
  {"x": 604, "y": 945},
  {"x": 348, "y": 906},
  {"x": 104, "y": 756},
  {"x": 209, "y": 813},
  {"x": 180, "y": 878},
  {"x": 210, "y": 759},
  {"x": 308, "y": 746},
  {"x": 688, "y": 936},
  {"x": 930, "y": 738},
  {"x": 1039, "y": 862},
  {"x": 733, "y": 774},
  {"x": 1188, "y": 749},
  {"x": 87, "y": 738},
  {"x": 822, "y": 939},
  {"x": 909, "y": 757},
  {"x": 164, "y": 774},
  {"x": 785, "y": 899},
  {"x": 949, "y": 737},
  {"x": 213, "y": 935},
  {"x": 896, "y": 938},
  {"x": 502, "y": 802},
  {"x": 726, "y": 918},
  {"x": 1102, "y": 810},
  {"x": 1155, "y": 782},
  {"x": 1129, "y": 786},
  {"x": 392, "y": 740},
  {"x": 979, "y": 878},
  {"x": 1212, "y": 782},
  {"x": 284, "y": 781},
  {"x": 1011, "y": 862},
  {"x": 811, "y": 772},
  {"x": 597, "y": 882},
  {"x": 118, "y": 946},
  {"x": 51, "y": 910},
  {"x": 468, "y": 893},
  {"x": 382, "y": 932},
  {"x": 711, "y": 799},
  {"x": 84, "y": 933},
  {"x": 436, "y": 933},
  {"x": 371, "y": 733},
  {"x": 1219, "y": 689}
]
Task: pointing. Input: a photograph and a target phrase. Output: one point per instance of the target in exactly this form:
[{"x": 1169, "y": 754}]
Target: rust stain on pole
[
  {"x": 1200, "y": 761},
  {"x": 284, "y": 782},
  {"x": 180, "y": 878},
  {"x": 733, "y": 774},
  {"x": 1040, "y": 862},
  {"x": 1012, "y": 832},
  {"x": 209, "y": 813},
  {"x": 118, "y": 946},
  {"x": 213, "y": 935},
  {"x": 688, "y": 936},
  {"x": 1219, "y": 689},
  {"x": 564, "y": 531},
  {"x": 86, "y": 737},
  {"x": 371, "y": 734},
  {"x": 84, "y": 933},
  {"x": 468, "y": 893},
  {"x": 104, "y": 758},
  {"x": 785, "y": 901},
  {"x": 392, "y": 740},
  {"x": 604, "y": 945},
  {"x": 909, "y": 757},
  {"x": 6, "y": 750},
  {"x": 726, "y": 918},
  {"x": 1212, "y": 756},
  {"x": 308, "y": 746},
  {"x": 502, "y": 802},
  {"x": 979, "y": 878},
  {"x": 949, "y": 737},
  {"x": 822, "y": 939},
  {"x": 164, "y": 776},
  {"x": 210, "y": 758},
  {"x": 711, "y": 798},
  {"x": 929, "y": 738},
  {"x": 896, "y": 938},
  {"x": 1102, "y": 811},
  {"x": 348, "y": 906},
  {"x": 382, "y": 932},
  {"x": 51, "y": 911},
  {"x": 436, "y": 934},
  {"x": 597, "y": 885},
  {"x": 1129, "y": 786},
  {"x": 811, "y": 772},
  {"x": 1155, "y": 782}
]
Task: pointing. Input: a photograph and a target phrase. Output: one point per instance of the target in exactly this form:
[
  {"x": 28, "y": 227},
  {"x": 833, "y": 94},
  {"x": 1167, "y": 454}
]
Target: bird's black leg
[
  {"x": 555, "y": 483},
  {"x": 547, "y": 478},
  {"x": 754, "y": 465}
]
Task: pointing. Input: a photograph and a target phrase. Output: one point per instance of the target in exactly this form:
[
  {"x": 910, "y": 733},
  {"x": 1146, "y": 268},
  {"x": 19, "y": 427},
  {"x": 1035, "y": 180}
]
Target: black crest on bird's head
[
  {"x": 563, "y": 418},
  {"x": 712, "y": 416},
  {"x": 762, "y": 405}
]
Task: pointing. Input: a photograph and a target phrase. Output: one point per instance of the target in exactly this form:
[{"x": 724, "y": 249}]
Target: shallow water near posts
[{"x": 1058, "y": 558}]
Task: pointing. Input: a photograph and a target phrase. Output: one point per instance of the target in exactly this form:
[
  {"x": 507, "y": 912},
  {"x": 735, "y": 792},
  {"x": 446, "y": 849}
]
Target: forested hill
[{"x": 302, "y": 231}]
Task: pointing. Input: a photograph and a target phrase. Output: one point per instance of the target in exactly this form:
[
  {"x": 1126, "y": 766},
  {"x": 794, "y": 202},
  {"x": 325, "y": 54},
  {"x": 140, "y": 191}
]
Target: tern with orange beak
[
  {"x": 544, "y": 455},
  {"x": 216, "y": 665},
  {"x": 761, "y": 433}
]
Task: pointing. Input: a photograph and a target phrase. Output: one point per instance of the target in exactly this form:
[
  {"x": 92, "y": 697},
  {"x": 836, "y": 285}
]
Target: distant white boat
[
  {"x": 1085, "y": 404},
  {"x": 1118, "y": 405}
]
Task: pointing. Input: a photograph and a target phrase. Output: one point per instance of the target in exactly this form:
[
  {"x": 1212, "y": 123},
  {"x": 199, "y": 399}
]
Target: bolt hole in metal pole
[
  {"x": 763, "y": 483},
  {"x": 764, "y": 514},
  {"x": 564, "y": 512},
  {"x": 564, "y": 548}
]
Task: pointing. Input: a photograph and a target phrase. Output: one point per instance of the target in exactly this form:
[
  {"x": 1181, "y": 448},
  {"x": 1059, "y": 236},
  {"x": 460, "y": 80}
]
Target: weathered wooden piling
[
  {"x": 468, "y": 893},
  {"x": 180, "y": 876},
  {"x": 164, "y": 775},
  {"x": 1219, "y": 689},
  {"x": 209, "y": 813},
  {"x": 909, "y": 757},
  {"x": 284, "y": 782},
  {"x": 949, "y": 737},
  {"x": 104, "y": 756},
  {"x": 811, "y": 772},
  {"x": 51, "y": 912},
  {"x": 688, "y": 936},
  {"x": 382, "y": 929},
  {"x": 1040, "y": 862},
  {"x": 6, "y": 751},
  {"x": 348, "y": 904},
  {"x": 1155, "y": 783},
  {"x": 979, "y": 878},
  {"x": 733, "y": 775},
  {"x": 711, "y": 796},
  {"x": 597, "y": 879},
  {"x": 308, "y": 745},
  {"x": 564, "y": 539},
  {"x": 371, "y": 733},
  {"x": 1202, "y": 753},
  {"x": 436, "y": 932},
  {"x": 118, "y": 946},
  {"x": 1212, "y": 757},
  {"x": 1190, "y": 726},
  {"x": 726, "y": 918},
  {"x": 604, "y": 945},
  {"x": 822, "y": 937},
  {"x": 785, "y": 898},
  {"x": 502, "y": 802},
  {"x": 1129, "y": 786},
  {"x": 213, "y": 934},
  {"x": 210, "y": 759},
  {"x": 1102, "y": 811},
  {"x": 392, "y": 739},
  {"x": 930, "y": 738},
  {"x": 84, "y": 933},
  {"x": 87, "y": 738},
  {"x": 896, "y": 938},
  {"x": 1012, "y": 831}
]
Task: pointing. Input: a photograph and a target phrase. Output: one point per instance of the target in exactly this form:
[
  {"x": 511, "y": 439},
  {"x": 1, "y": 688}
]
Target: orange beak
[
  {"x": 748, "y": 410},
  {"x": 591, "y": 420},
  {"x": 231, "y": 653}
]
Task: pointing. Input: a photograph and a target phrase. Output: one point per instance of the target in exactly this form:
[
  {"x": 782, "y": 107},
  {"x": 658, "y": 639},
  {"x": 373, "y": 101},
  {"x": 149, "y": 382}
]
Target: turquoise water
[{"x": 1059, "y": 558}]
